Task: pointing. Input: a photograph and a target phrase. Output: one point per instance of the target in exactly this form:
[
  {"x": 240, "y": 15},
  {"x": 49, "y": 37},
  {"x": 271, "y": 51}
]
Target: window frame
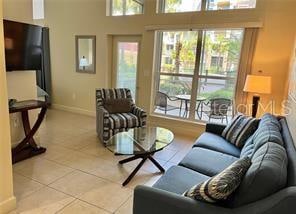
[
  {"x": 196, "y": 76},
  {"x": 204, "y": 7},
  {"x": 124, "y": 8}
]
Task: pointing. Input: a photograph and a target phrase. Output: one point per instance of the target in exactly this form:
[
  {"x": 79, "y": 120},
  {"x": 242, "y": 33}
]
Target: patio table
[{"x": 186, "y": 98}]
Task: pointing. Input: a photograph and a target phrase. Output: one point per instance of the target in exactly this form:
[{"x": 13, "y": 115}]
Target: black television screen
[{"x": 23, "y": 46}]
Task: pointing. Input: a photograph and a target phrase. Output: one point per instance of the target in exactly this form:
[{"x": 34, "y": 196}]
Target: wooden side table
[{"x": 28, "y": 147}]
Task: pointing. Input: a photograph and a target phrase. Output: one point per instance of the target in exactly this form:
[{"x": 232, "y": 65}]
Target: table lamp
[
  {"x": 257, "y": 85},
  {"x": 83, "y": 62}
]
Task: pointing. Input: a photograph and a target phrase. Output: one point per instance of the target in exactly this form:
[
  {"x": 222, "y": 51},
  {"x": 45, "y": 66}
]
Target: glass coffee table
[{"x": 141, "y": 143}]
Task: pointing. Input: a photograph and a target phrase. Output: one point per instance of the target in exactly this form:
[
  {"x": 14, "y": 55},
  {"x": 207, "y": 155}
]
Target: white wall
[
  {"x": 21, "y": 85},
  {"x": 7, "y": 199}
]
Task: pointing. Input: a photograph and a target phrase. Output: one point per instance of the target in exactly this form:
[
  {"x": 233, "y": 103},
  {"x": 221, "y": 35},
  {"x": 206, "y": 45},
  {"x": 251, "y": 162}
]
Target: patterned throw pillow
[
  {"x": 221, "y": 186},
  {"x": 240, "y": 129},
  {"x": 120, "y": 105}
]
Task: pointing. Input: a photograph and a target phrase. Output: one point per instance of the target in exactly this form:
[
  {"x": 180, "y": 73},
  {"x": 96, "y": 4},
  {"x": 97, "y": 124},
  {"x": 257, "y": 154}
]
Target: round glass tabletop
[{"x": 140, "y": 141}]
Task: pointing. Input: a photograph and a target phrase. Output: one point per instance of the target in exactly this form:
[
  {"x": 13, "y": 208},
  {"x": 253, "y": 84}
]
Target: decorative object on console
[
  {"x": 258, "y": 85},
  {"x": 221, "y": 186},
  {"x": 11, "y": 102},
  {"x": 83, "y": 62}
]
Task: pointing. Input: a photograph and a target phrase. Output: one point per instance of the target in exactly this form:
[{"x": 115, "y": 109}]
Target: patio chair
[
  {"x": 110, "y": 123},
  {"x": 219, "y": 108},
  {"x": 161, "y": 102}
]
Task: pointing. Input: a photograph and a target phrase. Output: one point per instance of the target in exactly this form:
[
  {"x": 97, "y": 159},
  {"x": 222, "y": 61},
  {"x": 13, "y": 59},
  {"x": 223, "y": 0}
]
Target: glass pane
[
  {"x": 216, "y": 88},
  {"x": 178, "y": 52},
  {"x": 140, "y": 140},
  {"x": 173, "y": 96},
  {"x": 175, "y": 6},
  {"x": 230, "y": 4},
  {"x": 117, "y": 7},
  {"x": 134, "y": 7},
  {"x": 221, "y": 52},
  {"x": 127, "y": 62},
  {"x": 214, "y": 101}
]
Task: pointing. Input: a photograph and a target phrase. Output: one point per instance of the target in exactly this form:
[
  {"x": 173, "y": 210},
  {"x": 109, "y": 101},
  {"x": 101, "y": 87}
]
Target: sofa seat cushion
[
  {"x": 267, "y": 175},
  {"x": 123, "y": 120},
  {"x": 217, "y": 143},
  {"x": 207, "y": 162},
  {"x": 178, "y": 179}
]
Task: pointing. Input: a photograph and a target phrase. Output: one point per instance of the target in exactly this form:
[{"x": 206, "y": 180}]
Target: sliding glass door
[{"x": 197, "y": 73}]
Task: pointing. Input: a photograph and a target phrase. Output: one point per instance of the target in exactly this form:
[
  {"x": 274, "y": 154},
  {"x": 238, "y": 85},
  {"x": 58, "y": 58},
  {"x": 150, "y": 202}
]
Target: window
[
  {"x": 230, "y": 4},
  {"x": 177, "y": 6},
  {"x": 203, "y": 64},
  {"x": 126, "y": 7}
]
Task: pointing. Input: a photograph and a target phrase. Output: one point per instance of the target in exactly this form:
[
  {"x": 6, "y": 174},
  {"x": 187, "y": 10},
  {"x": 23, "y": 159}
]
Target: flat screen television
[{"x": 23, "y": 46}]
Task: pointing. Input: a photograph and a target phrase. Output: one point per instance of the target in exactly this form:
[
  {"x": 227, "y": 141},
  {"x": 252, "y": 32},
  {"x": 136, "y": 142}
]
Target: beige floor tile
[
  {"x": 179, "y": 156},
  {"x": 109, "y": 196},
  {"x": 81, "y": 207},
  {"x": 111, "y": 171},
  {"x": 55, "y": 152},
  {"x": 81, "y": 161},
  {"x": 126, "y": 208},
  {"x": 79, "y": 142},
  {"x": 98, "y": 149},
  {"x": 41, "y": 170},
  {"x": 142, "y": 178},
  {"x": 77, "y": 183},
  {"x": 23, "y": 186},
  {"x": 77, "y": 164},
  {"x": 169, "y": 165},
  {"x": 165, "y": 154},
  {"x": 45, "y": 200}
]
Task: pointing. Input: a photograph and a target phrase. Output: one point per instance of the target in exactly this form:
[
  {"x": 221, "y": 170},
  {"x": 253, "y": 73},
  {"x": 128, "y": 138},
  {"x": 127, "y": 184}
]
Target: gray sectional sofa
[{"x": 268, "y": 187}]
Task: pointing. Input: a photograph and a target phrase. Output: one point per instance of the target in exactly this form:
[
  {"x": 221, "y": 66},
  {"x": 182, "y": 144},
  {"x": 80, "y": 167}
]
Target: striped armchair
[{"x": 110, "y": 124}]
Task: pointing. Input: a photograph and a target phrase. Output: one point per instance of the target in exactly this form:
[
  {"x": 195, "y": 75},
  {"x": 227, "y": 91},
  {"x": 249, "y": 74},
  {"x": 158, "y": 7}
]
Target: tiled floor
[{"x": 79, "y": 175}]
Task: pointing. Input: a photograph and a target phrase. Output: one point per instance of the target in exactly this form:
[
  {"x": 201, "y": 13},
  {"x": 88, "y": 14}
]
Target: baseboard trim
[
  {"x": 74, "y": 110},
  {"x": 8, "y": 205}
]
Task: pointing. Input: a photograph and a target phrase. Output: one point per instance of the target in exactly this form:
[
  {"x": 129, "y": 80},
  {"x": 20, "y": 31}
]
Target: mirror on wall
[{"x": 86, "y": 54}]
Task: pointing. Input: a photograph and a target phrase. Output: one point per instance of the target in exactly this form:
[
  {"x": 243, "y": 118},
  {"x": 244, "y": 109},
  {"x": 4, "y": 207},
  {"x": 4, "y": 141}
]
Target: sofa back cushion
[
  {"x": 265, "y": 134},
  {"x": 269, "y": 130},
  {"x": 267, "y": 175},
  {"x": 269, "y": 119},
  {"x": 248, "y": 149}
]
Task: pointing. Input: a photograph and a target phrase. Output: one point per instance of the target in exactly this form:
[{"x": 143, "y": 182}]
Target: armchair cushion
[
  {"x": 122, "y": 105},
  {"x": 123, "y": 120}
]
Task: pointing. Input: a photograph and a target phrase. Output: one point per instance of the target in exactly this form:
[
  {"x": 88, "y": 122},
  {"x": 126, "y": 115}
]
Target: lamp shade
[
  {"x": 83, "y": 62},
  {"x": 258, "y": 84}
]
